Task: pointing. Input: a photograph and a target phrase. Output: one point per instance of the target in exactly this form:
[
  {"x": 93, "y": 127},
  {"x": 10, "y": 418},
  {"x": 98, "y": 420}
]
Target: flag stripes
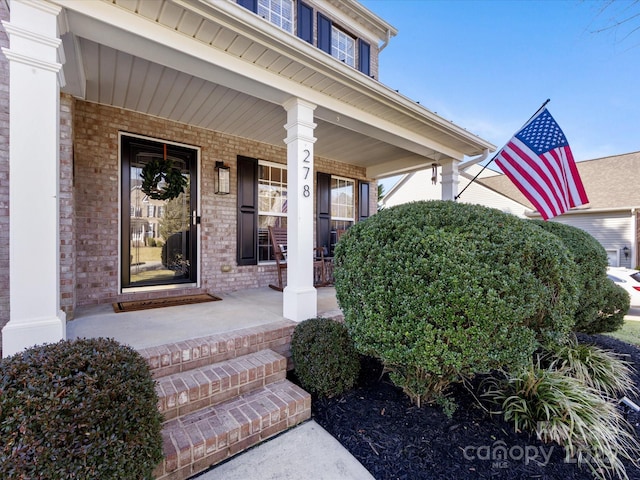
[{"x": 538, "y": 160}]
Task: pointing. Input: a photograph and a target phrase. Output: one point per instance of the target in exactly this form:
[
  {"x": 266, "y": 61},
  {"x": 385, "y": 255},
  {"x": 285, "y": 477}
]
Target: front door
[{"x": 159, "y": 214}]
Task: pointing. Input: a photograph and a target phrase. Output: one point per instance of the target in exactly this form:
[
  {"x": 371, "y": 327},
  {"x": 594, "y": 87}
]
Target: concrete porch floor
[{"x": 158, "y": 326}]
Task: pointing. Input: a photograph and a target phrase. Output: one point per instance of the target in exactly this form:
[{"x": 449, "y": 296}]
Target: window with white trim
[
  {"x": 343, "y": 46},
  {"x": 272, "y": 204},
  {"x": 278, "y": 12},
  {"x": 342, "y": 203}
]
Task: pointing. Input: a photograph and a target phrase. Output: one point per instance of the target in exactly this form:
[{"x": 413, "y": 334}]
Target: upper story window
[
  {"x": 343, "y": 47},
  {"x": 278, "y": 12},
  {"x": 335, "y": 41}
]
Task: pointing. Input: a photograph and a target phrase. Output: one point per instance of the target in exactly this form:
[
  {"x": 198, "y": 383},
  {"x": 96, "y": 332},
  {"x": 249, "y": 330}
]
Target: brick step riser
[
  {"x": 182, "y": 356},
  {"x": 195, "y": 442},
  {"x": 186, "y": 392}
]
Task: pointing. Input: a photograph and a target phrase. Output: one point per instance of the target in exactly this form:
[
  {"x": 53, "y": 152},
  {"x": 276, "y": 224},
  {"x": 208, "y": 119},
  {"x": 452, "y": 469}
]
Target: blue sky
[{"x": 488, "y": 65}]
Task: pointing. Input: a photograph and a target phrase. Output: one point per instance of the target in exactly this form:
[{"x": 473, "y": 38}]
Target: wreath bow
[{"x": 158, "y": 170}]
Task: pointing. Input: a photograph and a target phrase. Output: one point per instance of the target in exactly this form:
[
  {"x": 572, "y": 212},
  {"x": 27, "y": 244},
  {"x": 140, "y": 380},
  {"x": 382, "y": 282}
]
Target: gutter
[
  {"x": 386, "y": 41},
  {"x": 474, "y": 161},
  {"x": 578, "y": 211}
]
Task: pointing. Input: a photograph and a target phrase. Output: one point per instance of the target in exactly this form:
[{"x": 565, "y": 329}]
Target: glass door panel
[{"x": 158, "y": 234}]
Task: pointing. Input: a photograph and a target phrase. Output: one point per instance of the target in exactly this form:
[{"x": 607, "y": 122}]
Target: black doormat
[{"x": 135, "y": 305}]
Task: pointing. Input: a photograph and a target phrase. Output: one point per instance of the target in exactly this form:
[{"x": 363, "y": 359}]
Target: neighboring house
[
  {"x": 611, "y": 215},
  {"x": 277, "y": 100},
  {"x": 425, "y": 185}
]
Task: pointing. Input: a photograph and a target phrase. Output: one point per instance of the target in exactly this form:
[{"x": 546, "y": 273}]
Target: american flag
[{"x": 538, "y": 160}]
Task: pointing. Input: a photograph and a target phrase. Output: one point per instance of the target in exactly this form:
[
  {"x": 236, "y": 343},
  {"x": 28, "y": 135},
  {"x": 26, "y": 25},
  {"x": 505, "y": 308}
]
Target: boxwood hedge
[
  {"x": 324, "y": 357},
  {"x": 611, "y": 315},
  {"x": 590, "y": 259},
  {"x": 439, "y": 290},
  {"x": 82, "y": 409}
]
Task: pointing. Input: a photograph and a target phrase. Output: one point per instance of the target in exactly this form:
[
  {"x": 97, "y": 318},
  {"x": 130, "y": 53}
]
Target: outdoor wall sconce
[
  {"x": 625, "y": 250},
  {"x": 223, "y": 179}
]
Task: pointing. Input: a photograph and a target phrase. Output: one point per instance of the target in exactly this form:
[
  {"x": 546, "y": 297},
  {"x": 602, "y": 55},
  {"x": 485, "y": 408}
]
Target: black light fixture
[
  {"x": 223, "y": 186},
  {"x": 625, "y": 250}
]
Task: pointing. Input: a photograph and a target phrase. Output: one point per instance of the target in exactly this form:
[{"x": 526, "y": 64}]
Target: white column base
[
  {"x": 300, "y": 304},
  {"x": 16, "y": 335}
]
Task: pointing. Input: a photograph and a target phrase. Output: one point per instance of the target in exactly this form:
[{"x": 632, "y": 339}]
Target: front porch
[
  {"x": 147, "y": 328},
  {"x": 220, "y": 370}
]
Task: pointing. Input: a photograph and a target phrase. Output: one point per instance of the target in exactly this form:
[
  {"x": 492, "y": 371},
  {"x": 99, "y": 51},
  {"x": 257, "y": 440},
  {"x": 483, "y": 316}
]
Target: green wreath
[{"x": 158, "y": 170}]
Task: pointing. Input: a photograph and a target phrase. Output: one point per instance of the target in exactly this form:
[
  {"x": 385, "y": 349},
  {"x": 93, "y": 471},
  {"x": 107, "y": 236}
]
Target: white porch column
[
  {"x": 34, "y": 95},
  {"x": 450, "y": 179},
  {"x": 300, "y": 298}
]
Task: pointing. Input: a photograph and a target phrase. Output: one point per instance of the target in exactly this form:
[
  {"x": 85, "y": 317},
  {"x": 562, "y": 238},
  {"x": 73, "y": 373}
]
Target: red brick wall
[
  {"x": 66, "y": 207},
  {"x": 96, "y": 130},
  {"x": 4, "y": 173}
]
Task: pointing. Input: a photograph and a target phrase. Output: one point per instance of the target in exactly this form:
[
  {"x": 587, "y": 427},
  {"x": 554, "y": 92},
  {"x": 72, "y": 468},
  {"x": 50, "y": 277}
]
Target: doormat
[{"x": 163, "y": 302}]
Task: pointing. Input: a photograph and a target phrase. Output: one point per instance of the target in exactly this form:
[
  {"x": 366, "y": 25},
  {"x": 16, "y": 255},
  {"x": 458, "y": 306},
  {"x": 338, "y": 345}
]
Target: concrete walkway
[{"x": 306, "y": 452}]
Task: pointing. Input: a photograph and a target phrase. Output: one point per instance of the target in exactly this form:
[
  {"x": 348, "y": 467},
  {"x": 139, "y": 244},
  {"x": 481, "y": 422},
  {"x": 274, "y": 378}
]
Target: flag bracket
[{"x": 494, "y": 157}]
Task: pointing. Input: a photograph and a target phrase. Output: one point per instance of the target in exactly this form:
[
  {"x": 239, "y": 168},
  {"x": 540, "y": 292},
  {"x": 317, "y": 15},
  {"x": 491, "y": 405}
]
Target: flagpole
[{"x": 494, "y": 157}]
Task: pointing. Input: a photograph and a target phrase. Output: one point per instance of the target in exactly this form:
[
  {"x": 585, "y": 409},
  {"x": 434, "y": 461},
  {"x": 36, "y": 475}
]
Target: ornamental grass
[{"x": 560, "y": 408}]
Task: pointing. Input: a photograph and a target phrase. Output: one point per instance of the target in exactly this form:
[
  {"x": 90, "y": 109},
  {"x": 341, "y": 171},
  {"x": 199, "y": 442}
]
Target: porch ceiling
[{"x": 216, "y": 65}]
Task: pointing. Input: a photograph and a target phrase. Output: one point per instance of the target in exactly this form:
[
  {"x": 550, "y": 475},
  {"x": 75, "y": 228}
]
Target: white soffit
[{"x": 228, "y": 70}]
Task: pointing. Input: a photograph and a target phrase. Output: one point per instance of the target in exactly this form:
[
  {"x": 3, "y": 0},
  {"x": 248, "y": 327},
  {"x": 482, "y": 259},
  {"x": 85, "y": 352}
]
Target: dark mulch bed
[{"x": 396, "y": 440}]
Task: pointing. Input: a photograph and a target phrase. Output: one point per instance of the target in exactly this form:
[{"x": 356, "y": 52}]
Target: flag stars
[{"x": 543, "y": 134}]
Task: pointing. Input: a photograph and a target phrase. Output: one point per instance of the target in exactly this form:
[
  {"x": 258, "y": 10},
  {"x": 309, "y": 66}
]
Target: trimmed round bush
[
  {"x": 81, "y": 409},
  {"x": 439, "y": 290},
  {"x": 611, "y": 315},
  {"x": 324, "y": 357},
  {"x": 590, "y": 258}
]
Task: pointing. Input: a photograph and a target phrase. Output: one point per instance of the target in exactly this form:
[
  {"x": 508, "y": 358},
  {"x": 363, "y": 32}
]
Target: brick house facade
[
  {"x": 216, "y": 78},
  {"x": 96, "y": 130}
]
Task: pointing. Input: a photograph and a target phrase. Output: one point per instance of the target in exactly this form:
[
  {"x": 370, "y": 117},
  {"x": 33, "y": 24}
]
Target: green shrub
[
  {"x": 590, "y": 258},
  {"x": 324, "y": 357},
  {"x": 611, "y": 315},
  {"x": 438, "y": 290},
  {"x": 151, "y": 242},
  {"x": 82, "y": 409},
  {"x": 560, "y": 408}
]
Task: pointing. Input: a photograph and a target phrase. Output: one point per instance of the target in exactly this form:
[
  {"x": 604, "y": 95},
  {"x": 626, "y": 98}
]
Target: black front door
[{"x": 158, "y": 220}]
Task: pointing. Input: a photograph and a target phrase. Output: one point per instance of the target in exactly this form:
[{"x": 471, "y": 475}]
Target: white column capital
[{"x": 450, "y": 179}]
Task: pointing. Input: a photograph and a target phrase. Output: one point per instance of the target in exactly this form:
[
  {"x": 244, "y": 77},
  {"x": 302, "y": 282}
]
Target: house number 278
[{"x": 306, "y": 189}]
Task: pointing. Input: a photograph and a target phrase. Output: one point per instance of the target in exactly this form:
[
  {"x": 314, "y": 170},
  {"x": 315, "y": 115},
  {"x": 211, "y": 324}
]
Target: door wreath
[{"x": 158, "y": 170}]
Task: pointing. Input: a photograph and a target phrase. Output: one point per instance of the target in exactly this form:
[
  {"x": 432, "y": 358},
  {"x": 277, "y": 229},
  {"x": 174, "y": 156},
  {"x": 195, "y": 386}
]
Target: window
[
  {"x": 272, "y": 204},
  {"x": 278, "y": 12},
  {"x": 336, "y": 208},
  {"x": 343, "y": 47},
  {"x": 342, "y": 204}
]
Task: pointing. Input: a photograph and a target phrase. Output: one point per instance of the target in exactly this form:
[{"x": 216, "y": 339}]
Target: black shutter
[
  {"x": 323, "y": 210},
  {"x": 247, "y": 248},
  {"x": 305, "y": 22},
  {"x": 249, "y": 4},
  {"x": 364, "y": 201},
  {"x": 364, "y": 57},
  {"x": 324, "y": 33}
]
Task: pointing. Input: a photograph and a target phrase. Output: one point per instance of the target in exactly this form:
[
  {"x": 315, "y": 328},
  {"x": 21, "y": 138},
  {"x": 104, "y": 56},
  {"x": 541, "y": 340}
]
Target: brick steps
[
  {"x": 194, "y": 442},
  {"x": 189, "y": 354},
  {"x": 222, "y": 394},
  {"x": 185, "y": 392}
]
